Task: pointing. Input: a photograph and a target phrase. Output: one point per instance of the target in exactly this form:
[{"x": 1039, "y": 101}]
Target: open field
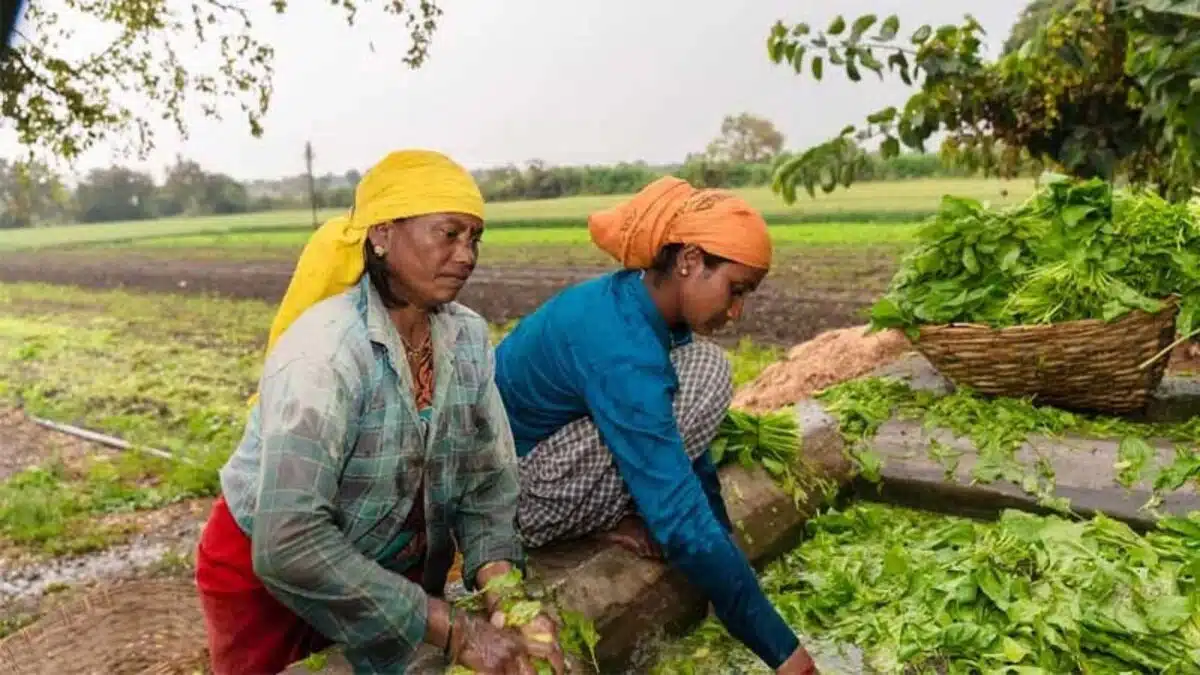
[
  {"x": 812, "y": 289},
  {"x": 159, "y": 370},
  {"x": 896, "y": 201}
]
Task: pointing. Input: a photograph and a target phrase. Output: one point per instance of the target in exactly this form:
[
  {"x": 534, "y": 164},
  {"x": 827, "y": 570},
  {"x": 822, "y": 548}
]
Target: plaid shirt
[{"x": 332, "y": 459}]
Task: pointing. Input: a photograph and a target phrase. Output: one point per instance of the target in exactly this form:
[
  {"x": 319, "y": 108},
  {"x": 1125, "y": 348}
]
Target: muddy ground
[{"x": 791, "y": 307}]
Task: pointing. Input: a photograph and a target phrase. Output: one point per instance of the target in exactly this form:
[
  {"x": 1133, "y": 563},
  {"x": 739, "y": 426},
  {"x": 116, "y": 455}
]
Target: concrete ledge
[
  {"x": 1083, "y": 467},
  {"x": 634, "y": 601}
]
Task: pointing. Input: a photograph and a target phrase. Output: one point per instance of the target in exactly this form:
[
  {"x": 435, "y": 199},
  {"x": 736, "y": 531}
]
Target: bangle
[{"x": 449, "y": 635}]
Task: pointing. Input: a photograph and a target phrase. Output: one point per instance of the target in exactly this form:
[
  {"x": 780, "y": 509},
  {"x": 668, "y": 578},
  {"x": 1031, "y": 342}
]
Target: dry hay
[
  {"x": 831, "y": 357},
  {"x": 142, "y": 627}
]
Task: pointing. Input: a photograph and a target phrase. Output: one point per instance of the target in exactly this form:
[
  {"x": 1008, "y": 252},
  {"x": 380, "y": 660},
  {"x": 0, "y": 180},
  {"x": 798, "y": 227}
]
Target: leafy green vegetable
[
  {"x": 1072, "y": 251},
  {"x": 521, "y": 602},
  {"x": 998, "y": 427},
  {"x": 771, "y": 441},
  {"x": 1027, "y": 594}
]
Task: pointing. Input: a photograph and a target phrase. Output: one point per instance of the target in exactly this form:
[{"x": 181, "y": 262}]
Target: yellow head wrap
[{"x": 404, "y": 184}]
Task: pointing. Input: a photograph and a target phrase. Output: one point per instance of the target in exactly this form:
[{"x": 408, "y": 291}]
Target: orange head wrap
[{"x": 670, "y": 211}]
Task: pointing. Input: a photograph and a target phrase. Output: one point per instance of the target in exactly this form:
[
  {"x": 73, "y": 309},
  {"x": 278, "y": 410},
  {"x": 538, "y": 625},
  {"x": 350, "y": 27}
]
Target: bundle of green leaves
[
  {"x": 1075, "y": 250},
  {"x": 1033, "y": 595}
]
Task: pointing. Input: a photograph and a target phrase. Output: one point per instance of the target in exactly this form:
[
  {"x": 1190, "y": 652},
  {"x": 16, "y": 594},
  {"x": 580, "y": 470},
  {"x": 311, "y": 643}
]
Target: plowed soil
[{"x": 791, "y": 307}]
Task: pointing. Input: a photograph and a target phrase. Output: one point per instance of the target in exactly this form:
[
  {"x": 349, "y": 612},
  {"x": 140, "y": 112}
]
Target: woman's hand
[
  {"x": 631, "y": 533},
  {"x": 541, "y": 641},
  {"x": 799, "y": 663},
  {"x": 488, "y": 650}
]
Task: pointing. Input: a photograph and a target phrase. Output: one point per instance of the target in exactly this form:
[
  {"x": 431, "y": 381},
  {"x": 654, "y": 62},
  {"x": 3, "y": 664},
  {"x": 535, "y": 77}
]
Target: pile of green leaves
[
  {"x": 1027, "y": 594},
  {"x": 998, "y": 427},
  {"x": 1072, "y": 251}
]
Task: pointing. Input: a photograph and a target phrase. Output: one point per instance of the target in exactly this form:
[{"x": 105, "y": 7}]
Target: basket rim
[{"x": 1170, "y": 306}]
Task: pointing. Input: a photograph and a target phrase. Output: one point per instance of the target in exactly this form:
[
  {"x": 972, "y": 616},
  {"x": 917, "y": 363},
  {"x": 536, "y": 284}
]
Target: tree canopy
[
  {"x": 745, "y": 139},
  {"x": 1102, "y": 88},
  {"x": 64, "y": 100}
]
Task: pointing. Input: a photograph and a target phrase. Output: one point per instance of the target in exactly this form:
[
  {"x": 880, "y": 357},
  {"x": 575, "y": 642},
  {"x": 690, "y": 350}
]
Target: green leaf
[
  {"x": 818, "y": 67},
  {"x": 775, "y": 49},
  {"x": 836, "y": 26},
  {"x": 921, "y": 35},
  {"x": 884, "y": 116},
  {"x": 890, "y": 27},
  {"x": 869, "y": 61},
  {"x": 1009, "y": 258},
  {"x": 1168, "y": 614},
  {"x": 1134, "y": 458},
  {"x": 798, "y": 59},
  {"x": 890, "y": 147},
  {"x": 1072, "y": 215},
  {"x": 861, "y": 25},
  {"x": 969, "y": 261},
  {"x": 886, "y": 313}
]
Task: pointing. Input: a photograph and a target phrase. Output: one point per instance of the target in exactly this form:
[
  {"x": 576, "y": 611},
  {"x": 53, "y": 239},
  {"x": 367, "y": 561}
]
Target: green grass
[
  {"x": 158, "y": 370},
  {"x": 505, "y": 239},
  {"x": 880, "y": 201}
]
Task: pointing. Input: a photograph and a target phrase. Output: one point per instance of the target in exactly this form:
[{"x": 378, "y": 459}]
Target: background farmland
[{"x": 835, "y": 253}]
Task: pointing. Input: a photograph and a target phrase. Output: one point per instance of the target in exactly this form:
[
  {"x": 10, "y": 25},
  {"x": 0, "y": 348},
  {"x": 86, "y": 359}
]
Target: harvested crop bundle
[{"x": 1075, "y": 250}]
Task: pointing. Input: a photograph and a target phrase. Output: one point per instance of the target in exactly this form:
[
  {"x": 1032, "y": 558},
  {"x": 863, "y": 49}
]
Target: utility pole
[{"x": 312, "y": 183}]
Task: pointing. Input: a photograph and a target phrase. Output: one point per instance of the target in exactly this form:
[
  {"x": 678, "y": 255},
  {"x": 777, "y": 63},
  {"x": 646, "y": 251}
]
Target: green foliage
[
  {"x": 1036, "y": 14},
  {"x": 745, "y": 139},
  {"x": 64, "y": 104},
  {"x": 749, "y": 359},
  {"x": 771, "y": 441},
  {"x": 1072, "y": 251},
  {"x": 926, "y": 594},
  {"x": 161, "y": 370},
  {"x": 33, "y": 195},
  {"x": 50, "y": 509},
  {"x": 999, "y": 427},
  {"x": 1102, "y": 89},
  {"x": 30, "y": 192}
]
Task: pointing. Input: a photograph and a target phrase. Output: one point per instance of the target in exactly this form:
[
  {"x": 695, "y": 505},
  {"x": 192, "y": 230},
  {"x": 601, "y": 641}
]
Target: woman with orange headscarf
[
  {"x": 613, "y": 404},
  {"x": 377, "y": 443}
]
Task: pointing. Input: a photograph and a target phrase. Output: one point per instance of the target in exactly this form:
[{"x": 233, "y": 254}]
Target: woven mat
[{"x": 143, "y": 627}]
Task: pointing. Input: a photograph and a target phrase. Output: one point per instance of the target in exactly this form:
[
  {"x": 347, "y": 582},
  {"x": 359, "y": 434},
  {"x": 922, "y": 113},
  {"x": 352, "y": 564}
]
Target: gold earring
[
  {"x": 683, "y": 272},
  {"x": 380, "y": 251}
]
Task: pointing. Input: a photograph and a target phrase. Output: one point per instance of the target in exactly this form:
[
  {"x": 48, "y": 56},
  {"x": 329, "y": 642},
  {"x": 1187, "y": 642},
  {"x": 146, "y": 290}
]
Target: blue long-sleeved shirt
[{"x": 601, "y": 349}]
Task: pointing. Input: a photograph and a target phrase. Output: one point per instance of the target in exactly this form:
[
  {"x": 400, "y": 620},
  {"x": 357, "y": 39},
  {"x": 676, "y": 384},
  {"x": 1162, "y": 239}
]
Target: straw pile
[{"x": 831, "y": 357}]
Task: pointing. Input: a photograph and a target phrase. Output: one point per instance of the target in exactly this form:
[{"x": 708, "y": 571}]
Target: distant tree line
[{"x": 743, "y": 155}]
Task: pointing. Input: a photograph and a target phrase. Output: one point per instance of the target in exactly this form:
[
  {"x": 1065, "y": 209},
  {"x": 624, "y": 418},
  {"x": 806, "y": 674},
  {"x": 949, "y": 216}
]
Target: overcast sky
[{"x": 577, "y": 82}]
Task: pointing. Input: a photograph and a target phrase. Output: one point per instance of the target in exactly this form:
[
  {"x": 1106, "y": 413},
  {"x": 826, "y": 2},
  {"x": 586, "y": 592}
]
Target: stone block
[{"x": 1083, "y": 469}]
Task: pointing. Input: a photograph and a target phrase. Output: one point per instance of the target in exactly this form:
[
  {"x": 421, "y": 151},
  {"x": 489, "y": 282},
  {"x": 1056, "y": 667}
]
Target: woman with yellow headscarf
[
  {"x": 376, "y": 444},
  {"x": 613, "y": 404}
]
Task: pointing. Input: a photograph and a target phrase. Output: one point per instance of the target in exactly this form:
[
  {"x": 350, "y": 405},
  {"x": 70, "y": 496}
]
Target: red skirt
[{"x": 249, "y": 631}]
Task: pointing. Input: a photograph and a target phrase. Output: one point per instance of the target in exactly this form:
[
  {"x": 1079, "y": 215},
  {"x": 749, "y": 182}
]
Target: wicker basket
[
  {"x": 147, "y": 627},
  {"x": 1089, "y": 365}
]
